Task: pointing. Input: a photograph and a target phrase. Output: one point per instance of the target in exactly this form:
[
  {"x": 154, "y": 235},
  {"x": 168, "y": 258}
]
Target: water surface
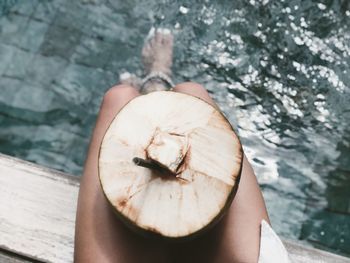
[{"x": 279, "y": 70}]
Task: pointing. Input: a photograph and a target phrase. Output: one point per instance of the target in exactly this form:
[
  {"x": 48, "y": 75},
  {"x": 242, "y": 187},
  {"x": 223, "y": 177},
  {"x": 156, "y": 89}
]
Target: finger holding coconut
[{"x": 170, "y": 164}]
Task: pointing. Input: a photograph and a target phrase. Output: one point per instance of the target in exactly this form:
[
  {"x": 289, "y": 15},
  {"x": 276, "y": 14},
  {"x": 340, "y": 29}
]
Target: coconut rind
[{"x": 151, "y": 231}]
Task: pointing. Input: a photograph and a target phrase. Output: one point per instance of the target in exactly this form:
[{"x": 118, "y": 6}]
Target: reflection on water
[{"x": 278, "y": 69}]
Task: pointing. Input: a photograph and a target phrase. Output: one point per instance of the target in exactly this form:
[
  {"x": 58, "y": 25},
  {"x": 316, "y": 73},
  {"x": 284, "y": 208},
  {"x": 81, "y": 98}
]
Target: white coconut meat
[{"x": 169, "y": 163}]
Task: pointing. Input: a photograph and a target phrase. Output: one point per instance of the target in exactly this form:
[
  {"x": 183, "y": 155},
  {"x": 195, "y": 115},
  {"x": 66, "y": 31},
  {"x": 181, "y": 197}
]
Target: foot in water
[
  {"x": 157, "y": 52},
  {"x": 157, "y": 56}
]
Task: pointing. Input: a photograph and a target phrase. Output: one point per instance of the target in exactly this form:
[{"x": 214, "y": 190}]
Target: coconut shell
[{"x": 169, "y": 164}]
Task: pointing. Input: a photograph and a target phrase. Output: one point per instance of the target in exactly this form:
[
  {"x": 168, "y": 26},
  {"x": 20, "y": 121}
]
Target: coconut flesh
[{"x": 169, "y": 164}]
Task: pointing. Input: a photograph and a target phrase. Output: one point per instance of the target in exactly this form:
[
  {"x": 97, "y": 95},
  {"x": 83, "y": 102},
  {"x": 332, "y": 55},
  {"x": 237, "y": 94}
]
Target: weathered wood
[
  {"x": 37, "y": 216},
  {"x": 37, "y": 213},
  {"x": 7, "y": 256}
]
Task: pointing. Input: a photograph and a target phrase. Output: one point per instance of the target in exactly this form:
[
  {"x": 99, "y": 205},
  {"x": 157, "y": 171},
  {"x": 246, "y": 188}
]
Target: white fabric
[{"x": 272, "y": 249}]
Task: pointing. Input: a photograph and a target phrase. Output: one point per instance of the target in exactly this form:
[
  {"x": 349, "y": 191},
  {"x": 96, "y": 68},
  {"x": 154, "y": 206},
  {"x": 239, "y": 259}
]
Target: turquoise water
[{"x": 279, "y": 70}]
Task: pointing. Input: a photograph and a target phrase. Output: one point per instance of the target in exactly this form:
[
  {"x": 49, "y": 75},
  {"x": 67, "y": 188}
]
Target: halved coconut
[{"x": 170, "y": 164}]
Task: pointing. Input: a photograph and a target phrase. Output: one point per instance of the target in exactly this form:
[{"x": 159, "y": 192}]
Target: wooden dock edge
[{"x": 37, "y": 216}]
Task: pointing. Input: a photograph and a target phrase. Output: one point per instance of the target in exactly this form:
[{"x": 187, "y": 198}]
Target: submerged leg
[
  {"x": 157, "y": 56},
  {"x": 100, "y": 236},
  {"x": 237, "y": 237}
]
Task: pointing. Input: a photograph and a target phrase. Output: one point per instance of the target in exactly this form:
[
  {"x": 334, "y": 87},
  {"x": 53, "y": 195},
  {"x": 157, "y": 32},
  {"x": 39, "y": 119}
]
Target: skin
[{"x": 101, "y": 237}]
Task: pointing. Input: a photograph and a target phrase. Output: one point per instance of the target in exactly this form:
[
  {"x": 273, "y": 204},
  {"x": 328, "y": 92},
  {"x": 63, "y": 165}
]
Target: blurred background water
[{"x": 278, "y": 69}]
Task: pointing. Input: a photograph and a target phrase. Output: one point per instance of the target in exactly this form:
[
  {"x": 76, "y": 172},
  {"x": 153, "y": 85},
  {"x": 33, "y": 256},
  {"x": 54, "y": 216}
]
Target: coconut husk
[{"x": 169, "y": 164}]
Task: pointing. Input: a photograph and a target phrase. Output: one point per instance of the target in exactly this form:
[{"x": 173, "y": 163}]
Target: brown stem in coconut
[
  {"x": 153, "y": 165},
  {"x": 144, "y": 163}
]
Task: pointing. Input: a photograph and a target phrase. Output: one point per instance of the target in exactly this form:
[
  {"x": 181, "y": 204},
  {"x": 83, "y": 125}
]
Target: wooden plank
[
  {"x": 5, "y": 258},
  {"x": 37, "y": 216},
  {"x": 11, "y": 257}
]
